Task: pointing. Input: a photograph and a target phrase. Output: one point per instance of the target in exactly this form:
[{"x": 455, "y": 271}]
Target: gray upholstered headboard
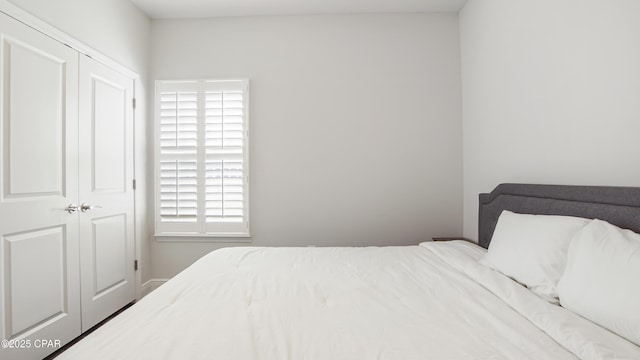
[{"x": 617, "y": 205}]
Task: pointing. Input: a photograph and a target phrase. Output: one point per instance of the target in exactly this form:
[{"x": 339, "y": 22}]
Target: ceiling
[{"x": 169, "y": 9}]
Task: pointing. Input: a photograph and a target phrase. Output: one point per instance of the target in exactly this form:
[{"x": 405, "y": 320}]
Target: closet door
[
  {"x": 39, "y": 277},
  {"x": 106, "y": 191}
]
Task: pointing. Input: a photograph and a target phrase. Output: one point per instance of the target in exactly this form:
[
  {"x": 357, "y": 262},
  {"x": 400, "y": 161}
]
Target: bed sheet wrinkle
[{"x": 583, "y": 338}]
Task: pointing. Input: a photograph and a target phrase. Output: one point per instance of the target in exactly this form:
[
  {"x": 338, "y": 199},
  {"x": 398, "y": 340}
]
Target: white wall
[
  {"x": 120, "y": 31},
  {"x": 551, "y": 94},
  {"x": 355, "y": 124}
]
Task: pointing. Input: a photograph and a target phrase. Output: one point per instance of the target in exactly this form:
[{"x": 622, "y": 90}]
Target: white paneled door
[
  {"x": 66, "y": 192},
  {"x": 106, "y": 191},
  {"x": 39, "y": 239}
]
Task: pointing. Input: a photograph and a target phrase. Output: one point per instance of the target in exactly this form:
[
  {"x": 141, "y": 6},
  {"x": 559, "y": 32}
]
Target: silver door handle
[
  {"x": 85, "y": 207},
  {"x": 72, "y": 208}
]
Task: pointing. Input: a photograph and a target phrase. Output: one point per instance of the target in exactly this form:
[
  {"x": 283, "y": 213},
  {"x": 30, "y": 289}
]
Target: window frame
[{"x": 201, "y": 230}]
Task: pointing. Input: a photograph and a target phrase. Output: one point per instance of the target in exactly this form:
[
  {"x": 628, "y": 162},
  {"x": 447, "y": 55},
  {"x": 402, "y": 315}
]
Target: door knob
[
  {"x": 86, "y": 207},
  {"x": 72, "y": 208}
]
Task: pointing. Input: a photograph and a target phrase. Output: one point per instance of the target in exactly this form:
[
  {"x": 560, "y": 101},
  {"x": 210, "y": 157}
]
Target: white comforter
[{"x": 433, "y": 301}]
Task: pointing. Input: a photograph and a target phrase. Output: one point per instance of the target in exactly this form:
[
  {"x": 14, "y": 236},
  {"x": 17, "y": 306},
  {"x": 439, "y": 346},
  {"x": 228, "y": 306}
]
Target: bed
[{"x": 435, "y": 300}]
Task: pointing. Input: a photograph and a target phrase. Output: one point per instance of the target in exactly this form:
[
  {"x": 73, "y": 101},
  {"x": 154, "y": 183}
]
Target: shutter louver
[
  {"x": 178, "y": 123},
  {"x": 224, "y": 146},
  {"x": 178, "y": 149},
  {"x": 202, "y": 185},
  {"x": 178, "y": 191},
  {"x": 224, "y": 191}
]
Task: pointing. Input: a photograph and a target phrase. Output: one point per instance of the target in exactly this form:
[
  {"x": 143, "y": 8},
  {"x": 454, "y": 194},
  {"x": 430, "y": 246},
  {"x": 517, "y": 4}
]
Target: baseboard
[{"x": 151, "y": 285}]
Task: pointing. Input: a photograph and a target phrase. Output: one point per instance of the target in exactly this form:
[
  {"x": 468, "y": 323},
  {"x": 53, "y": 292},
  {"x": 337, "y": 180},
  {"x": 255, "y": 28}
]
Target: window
[{"x": 202, "y": 182}]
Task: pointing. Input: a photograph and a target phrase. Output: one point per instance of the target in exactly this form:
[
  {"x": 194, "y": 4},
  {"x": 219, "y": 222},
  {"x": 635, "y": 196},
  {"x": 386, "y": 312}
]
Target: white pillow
[
  {"x": 532, "y": 249},
  {"x": 602, "y": 278}
]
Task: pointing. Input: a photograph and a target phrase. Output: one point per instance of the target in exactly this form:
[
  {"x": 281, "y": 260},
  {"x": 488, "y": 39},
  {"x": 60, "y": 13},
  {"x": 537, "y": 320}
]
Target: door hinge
[
  {"x": 134, "y": 103},
  {"x": 134, "y": 184},
  {"x": 135, "y": 265}
]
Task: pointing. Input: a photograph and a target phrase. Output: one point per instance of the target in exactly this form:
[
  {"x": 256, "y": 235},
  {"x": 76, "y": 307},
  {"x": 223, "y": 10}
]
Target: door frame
[{"x": 140, "y": 210}]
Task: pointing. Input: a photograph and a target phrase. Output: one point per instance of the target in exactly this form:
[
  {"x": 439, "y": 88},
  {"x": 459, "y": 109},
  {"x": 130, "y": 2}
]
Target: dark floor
[{"x": 72, "y": 342}]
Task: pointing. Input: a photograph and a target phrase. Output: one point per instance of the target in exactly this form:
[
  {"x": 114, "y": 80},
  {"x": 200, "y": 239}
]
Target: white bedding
[{"x": 433, "y": 301}]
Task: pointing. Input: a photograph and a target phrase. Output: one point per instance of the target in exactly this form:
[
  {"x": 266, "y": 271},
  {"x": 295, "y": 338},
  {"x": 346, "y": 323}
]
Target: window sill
[{"x": 215, "y": 238}]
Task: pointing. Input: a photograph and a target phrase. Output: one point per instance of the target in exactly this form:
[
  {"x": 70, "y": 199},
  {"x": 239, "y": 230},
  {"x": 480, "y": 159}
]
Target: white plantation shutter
[
  {"x": 178, "y": 154},
  {"x": 202, "y": 168}
]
